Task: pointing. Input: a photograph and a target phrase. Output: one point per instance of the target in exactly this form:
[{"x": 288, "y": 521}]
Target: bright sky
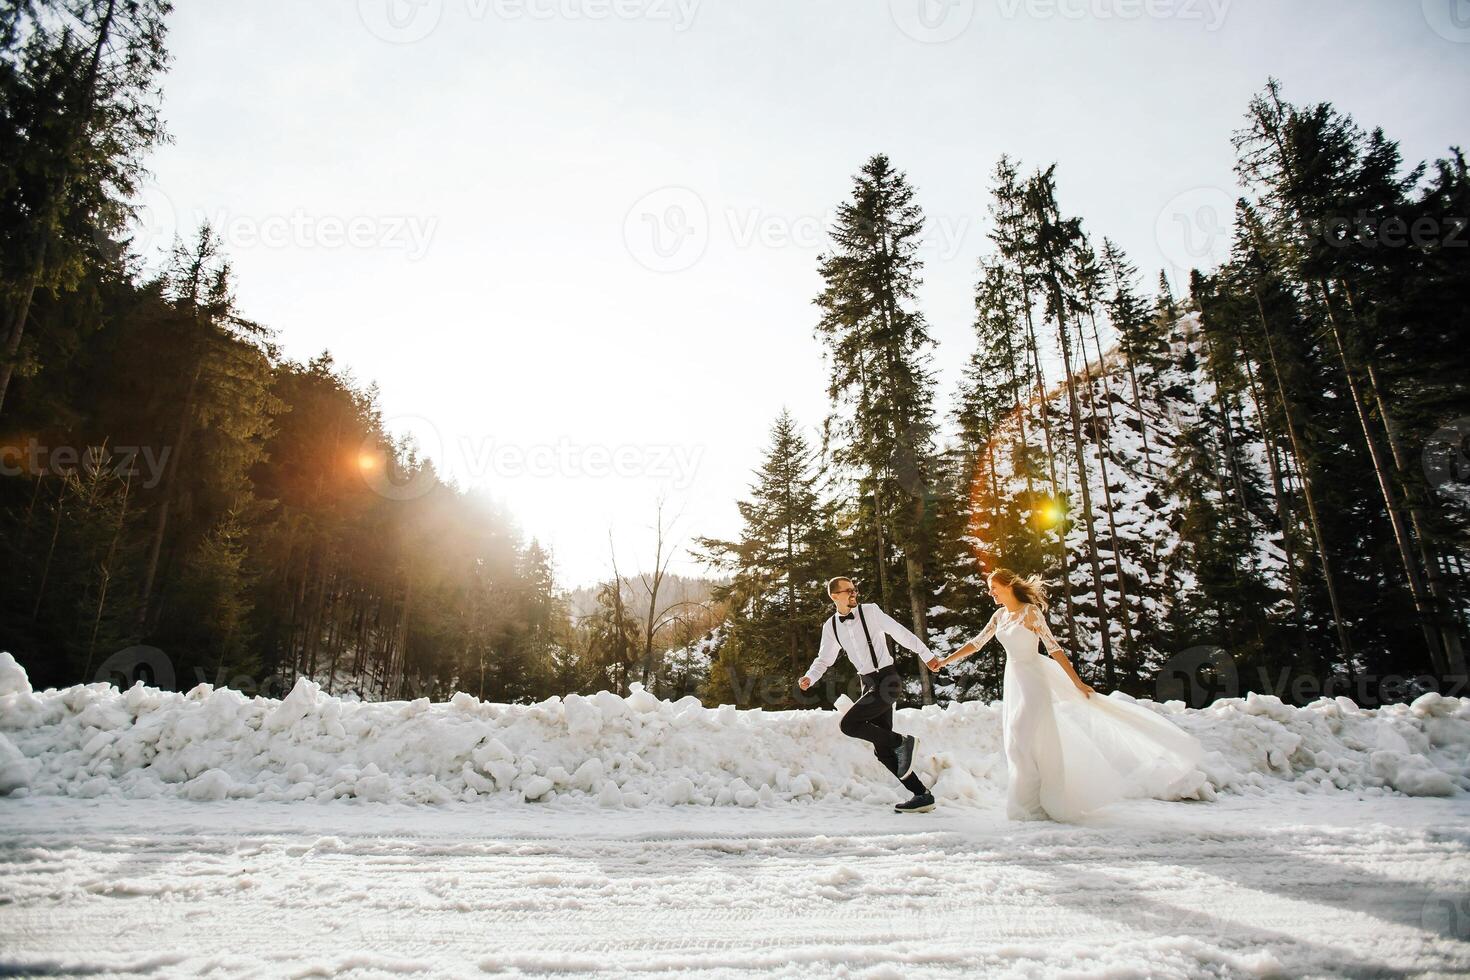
[{"x": 575, "y": 241}]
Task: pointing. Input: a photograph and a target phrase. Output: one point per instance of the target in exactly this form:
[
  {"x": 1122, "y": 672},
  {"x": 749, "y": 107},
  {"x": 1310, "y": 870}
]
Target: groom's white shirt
[{"x": 850, "y": 632}]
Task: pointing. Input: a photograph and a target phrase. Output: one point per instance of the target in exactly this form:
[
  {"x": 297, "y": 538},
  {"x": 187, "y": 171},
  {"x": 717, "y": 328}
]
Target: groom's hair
[{"x": 833, "y": 583}]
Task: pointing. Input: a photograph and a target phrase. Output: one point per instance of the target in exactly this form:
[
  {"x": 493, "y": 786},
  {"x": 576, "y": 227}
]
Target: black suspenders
[{"x": 872, "y": 650}]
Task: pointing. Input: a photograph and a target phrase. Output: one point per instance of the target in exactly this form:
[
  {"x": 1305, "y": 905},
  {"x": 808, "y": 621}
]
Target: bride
[{"x": 1068, "y": 752}]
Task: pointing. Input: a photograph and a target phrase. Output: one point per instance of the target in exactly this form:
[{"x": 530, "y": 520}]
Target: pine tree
[
  {"x": 881, "y": 384},
  {"x": 1014, "y": 236},
  {"x": 213, "y": 590},
  {"x": 221, "y": 417},
  {"x": 1274, "y": 304},
  {"x": 1089, "y": 278},
  {"x": 543, "y": 616},
  {"x": 991, "y": 513},
  {"x": 1313, "y": 167},
  {"x": 1129, "y": 316},
  {"x": 779, "y": 566},
  {"x": 78, "y": 106},
  {"x": 1055, "y": 241}
]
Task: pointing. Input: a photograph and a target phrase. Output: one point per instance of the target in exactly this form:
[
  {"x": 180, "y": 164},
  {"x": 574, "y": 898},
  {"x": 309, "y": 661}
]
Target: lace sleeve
[
  {"x": 988, "y": 633},
  {"x": 1036, "y": 623}
]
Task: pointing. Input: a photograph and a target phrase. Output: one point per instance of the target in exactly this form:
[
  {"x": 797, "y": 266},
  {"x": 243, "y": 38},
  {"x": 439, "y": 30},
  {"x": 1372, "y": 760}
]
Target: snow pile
[
  {"x": 211, "y": 744},
  {"x": 1418, "y": 749}
]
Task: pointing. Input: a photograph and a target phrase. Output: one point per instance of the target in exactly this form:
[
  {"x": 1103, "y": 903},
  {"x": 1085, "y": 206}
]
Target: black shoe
[
  {"x": 921, "y": 803},
  {"x": 905, "y": 756}
]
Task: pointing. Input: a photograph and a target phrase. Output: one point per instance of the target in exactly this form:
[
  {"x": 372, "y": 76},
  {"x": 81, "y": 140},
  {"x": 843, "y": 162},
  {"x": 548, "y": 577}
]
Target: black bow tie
[{"x": 845, "y": 618}]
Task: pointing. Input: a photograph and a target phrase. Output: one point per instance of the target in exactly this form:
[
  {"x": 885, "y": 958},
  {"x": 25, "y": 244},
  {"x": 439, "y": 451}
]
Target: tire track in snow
[{"x": 1194, "y": 894}]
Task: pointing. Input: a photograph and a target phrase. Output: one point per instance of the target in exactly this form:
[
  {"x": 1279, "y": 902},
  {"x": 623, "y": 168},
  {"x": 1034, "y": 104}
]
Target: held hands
[
  {"x": 934, "y": 664},
  {"x": 938, "y": 663}
]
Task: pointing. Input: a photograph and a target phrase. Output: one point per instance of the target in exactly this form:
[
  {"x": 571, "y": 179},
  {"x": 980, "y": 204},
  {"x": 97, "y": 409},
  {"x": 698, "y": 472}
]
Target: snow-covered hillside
[
  {"x": 1144, "y": 439},
  {"x": 208, "y": 744}
]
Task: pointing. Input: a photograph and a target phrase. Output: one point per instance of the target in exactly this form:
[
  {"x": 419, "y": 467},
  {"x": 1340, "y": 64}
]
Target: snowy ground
[
  {"x": 1293, "y": 885},
  {"x": 160, "y": 833}
]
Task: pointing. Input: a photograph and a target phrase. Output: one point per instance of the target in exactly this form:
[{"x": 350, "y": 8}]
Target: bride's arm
[
  {"x": 974, "y": 645},
  {"x": 1036, "y": 622}
]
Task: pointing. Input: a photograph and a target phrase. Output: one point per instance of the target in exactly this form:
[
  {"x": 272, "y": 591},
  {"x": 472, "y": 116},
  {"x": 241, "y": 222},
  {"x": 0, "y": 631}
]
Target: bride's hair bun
[{"x": 1029, "y": 589}]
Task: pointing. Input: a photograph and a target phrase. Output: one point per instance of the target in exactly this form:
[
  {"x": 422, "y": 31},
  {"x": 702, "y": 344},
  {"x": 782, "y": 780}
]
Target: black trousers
[{"x": 871, "y": 719}]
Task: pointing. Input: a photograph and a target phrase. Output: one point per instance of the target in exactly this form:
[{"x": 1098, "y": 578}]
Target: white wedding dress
[{"x": 1068, "y": 754}]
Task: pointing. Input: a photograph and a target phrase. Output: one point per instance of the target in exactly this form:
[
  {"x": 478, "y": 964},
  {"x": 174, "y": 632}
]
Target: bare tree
[
  {"x": 621, "y": 639},
  {"x": 657, "y": 618}
]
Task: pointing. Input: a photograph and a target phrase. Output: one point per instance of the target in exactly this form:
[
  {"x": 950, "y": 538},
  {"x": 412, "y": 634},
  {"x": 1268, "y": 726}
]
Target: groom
[{"x": 861, "y": 631}]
